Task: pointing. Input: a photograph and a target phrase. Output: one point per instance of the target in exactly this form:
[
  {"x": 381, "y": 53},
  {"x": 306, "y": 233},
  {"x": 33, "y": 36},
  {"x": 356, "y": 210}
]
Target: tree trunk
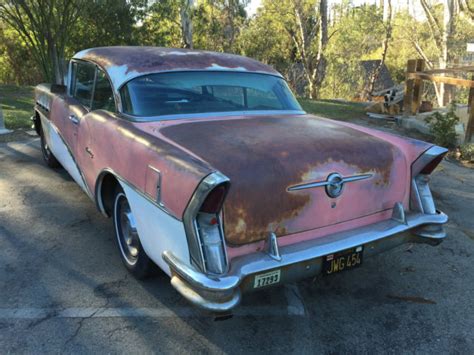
[
  {"x": 186, "y": 23},
  {"x": 320, "y": 72},
  {"x": 388, "y": 35},
  {"x": 444, "y": 96}
]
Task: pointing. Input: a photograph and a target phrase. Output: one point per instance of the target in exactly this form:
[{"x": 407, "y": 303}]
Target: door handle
[{"x": 74, "y": 119}]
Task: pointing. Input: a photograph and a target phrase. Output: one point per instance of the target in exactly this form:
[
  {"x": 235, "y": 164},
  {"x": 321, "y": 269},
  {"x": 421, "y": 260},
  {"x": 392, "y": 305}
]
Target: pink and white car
[{"x": 211, "y": 170}]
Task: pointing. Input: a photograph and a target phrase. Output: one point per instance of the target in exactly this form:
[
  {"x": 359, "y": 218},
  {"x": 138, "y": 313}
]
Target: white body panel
[
  {"x": 158, "y": 231},
  {"x": 61, "y": 152}
]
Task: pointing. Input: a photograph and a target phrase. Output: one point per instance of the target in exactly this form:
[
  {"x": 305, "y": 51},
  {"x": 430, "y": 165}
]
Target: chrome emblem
[{"x": 334, "y": 184}]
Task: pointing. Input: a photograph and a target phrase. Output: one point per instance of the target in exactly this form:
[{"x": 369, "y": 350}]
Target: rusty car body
[{"x": 211, "y": 170}]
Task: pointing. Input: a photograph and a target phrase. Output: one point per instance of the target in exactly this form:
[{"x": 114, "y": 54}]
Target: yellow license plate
[
  {"x": 343, "y": 260},
  {"x": 269, "y": 278}
]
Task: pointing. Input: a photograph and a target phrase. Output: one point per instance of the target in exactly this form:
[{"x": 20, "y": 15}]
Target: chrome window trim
[
  {"x": 138, "y": 75},
  {"x": 189, "y": 219},
  {"x": 209, "y": 115},
  {"x": 117, "y": 104}
]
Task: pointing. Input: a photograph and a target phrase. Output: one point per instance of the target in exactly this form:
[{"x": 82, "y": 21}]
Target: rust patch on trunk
[{"x": 263, "y": 156}]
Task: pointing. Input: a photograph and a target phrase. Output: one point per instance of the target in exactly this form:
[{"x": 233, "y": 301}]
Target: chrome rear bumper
[{"x": 222, "y": 293}]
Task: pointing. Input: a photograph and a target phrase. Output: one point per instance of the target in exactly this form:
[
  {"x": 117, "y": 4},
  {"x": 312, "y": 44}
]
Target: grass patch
[
  {"x": 337, "y": 110},
  {"x": 17, "y": 104}
]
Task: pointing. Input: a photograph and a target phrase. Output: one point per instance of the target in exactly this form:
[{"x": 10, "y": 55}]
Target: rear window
[{"x": 206, "y": 91}]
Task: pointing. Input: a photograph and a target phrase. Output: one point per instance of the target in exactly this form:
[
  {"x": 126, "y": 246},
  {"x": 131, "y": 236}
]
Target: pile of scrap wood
[{"x": 387, "y": 102}]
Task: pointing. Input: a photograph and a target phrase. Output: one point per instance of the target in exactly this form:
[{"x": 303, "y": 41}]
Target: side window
[
  {"x": 103, "y": 95},
  {"x": 83, "y": 82}
]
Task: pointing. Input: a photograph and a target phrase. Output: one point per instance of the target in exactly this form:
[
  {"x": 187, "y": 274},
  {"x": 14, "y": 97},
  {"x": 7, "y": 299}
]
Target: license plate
[
  {"x": 267, "y": 279},
  {"x": 343, "y": 260}
]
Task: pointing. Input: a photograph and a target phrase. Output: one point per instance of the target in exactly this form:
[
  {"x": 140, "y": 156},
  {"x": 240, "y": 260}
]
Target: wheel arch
[
  {"x": 105, "y": 187},
  {"x": 37, "y": 123}
]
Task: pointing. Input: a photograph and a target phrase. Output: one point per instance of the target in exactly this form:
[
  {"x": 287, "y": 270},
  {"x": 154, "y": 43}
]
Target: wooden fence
[{"x": 415, "y": 76}]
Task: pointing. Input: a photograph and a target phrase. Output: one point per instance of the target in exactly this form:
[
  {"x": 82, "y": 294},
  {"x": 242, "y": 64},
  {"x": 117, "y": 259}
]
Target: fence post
[
  {"x": 470, "y": 109},
  {"x": 408, "y": 98},
  {"x": 3, "y": 130},
  {"x": 417, "y": 88}
]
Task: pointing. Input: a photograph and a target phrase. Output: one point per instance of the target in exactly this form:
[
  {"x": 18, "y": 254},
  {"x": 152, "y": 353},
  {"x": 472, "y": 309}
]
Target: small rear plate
[
  {"x": 267, "y": 279},
  {"x": 342, "y": 260}
]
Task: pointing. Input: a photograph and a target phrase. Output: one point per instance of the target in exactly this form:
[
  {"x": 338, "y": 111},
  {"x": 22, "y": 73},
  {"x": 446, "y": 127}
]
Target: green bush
[
  {"x": 467, "y": 151},
  {"x": 442, "y": 127}
]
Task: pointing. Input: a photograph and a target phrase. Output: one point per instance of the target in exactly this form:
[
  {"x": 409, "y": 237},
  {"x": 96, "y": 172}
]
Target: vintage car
[{"x": 211, "y": 170}]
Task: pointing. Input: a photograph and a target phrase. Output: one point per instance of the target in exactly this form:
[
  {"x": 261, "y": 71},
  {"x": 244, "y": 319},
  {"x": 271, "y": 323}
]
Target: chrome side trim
[
  {"x": 98, "y": 190},
  {"x": 189, "y": 219},
  {"x": 302, "y": 259},
  {"x": 328, "y": 182}
]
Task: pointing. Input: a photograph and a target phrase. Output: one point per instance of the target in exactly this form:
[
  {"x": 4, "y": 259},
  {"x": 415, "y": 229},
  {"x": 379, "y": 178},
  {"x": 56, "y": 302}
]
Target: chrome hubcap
[{"x": 126, "y": 229}]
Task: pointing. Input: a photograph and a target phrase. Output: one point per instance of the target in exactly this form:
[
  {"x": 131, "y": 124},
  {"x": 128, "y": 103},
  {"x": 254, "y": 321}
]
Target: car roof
[{"x": 125, "y": 63}]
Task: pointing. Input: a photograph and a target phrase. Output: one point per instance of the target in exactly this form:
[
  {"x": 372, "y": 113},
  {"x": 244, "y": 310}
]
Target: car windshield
[{"x": 206, "y": 91}]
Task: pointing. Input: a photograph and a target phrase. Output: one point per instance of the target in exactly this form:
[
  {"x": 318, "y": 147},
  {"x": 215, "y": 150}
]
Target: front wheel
[
  {"x": 131, "y": 251},
  {"x": 48, "y": 156}
]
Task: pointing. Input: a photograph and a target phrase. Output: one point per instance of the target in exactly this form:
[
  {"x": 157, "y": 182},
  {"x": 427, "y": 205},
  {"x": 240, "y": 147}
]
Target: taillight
[
  {"x": 421, "y": 199},
  {"x": 214, "y": 200},
  {"x": 428, "y": 169},
  {"x": 210, "y": 230},
  {"x": 203, "y": 225}
]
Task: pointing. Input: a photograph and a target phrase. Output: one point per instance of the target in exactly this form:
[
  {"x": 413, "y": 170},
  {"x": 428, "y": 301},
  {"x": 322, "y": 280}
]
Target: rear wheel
[
  {"x": 48, "y": 156},
  {"x": 131, "y": 251}
]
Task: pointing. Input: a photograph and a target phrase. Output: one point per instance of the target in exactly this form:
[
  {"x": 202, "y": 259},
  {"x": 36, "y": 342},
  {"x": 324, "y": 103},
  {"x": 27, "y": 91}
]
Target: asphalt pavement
[{"x": 63, "y": 287}]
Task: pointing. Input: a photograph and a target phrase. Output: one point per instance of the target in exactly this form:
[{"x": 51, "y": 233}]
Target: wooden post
[
  {"x": 408, "y": 98},
  {"x": 470, "y": 123},
  {"x": 417, "y": 88},
  {"x": 3, "y": 130}
]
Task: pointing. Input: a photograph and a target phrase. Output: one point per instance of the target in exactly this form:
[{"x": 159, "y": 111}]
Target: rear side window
[
  {"x": 103, "y": 95},
  {"x": 83, "y": 82}
]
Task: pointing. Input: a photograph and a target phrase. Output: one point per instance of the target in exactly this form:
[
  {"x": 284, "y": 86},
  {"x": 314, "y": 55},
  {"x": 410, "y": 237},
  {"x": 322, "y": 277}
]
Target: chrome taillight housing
[
  {"x": 421, "y": 199},
  {"x": 204, "y": 227}
]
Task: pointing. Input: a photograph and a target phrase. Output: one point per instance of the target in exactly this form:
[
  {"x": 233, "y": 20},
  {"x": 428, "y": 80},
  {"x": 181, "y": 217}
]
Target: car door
[
  {"x": 80, "y": 102},
  {"x": 102, "y": 99}
]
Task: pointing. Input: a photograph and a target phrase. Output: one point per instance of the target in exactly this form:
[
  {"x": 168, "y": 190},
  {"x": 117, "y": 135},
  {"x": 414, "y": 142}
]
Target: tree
[
  {"x": 45, "y": 27},
  {"x": 441, "y": 30},
  {"x": 305, "y": 24},
  {"x": 104, "y": 22},
  {"x": 218, "y": 24},
  {"x": 387, "y": 22},
  {"x": 185, "y": 11}
]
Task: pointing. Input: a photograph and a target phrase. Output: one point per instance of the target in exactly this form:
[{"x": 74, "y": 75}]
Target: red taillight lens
[
  {"x": 428, "y": 169},
  {"x": 214, "y": 200}
]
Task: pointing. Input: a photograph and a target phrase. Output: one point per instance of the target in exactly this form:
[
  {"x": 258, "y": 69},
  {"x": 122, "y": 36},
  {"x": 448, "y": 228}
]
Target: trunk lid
[{"x": 264, "y": 156}]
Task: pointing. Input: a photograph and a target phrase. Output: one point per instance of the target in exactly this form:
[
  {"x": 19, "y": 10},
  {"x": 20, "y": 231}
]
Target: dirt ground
[{"x": 63, "y": 288}]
